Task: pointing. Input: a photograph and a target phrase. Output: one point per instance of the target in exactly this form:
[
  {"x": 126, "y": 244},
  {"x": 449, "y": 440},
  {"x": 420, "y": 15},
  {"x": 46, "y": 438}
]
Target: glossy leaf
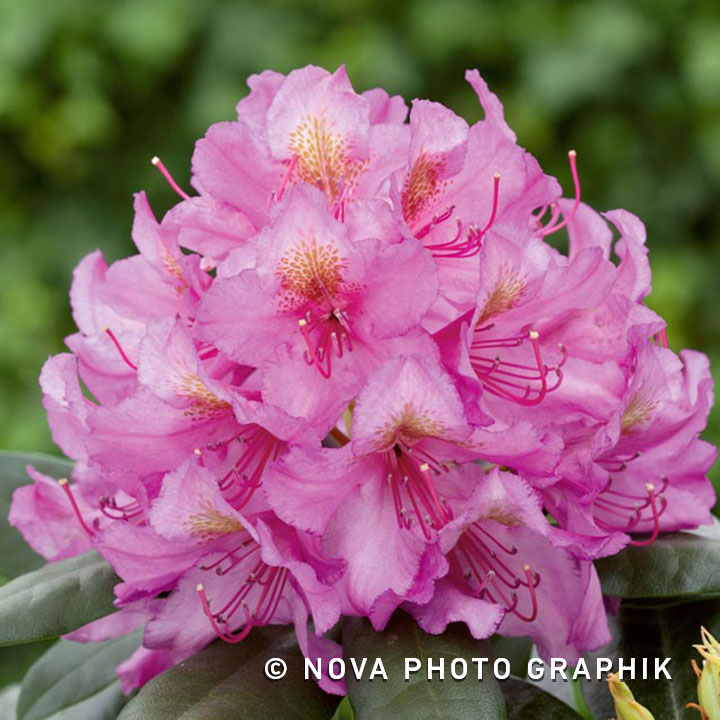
[
  {"x": 72, "y": 674},
  {"x": 16, "y": 660},
  {"x": 229, "y": 682},
  {"x": 56, "y": 599},
  {"x": 649, "y": 631},
  {"x": 16, "y": 556},
  {"x": 525, "y": 700},
  {"x": 417, "y": 698},
  {"x": 344, "y": 710},
  {"x": 517, "y": 650},
  {"x": 676, "y": 566}
]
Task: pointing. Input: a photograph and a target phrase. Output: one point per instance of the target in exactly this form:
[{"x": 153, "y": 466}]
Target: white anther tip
[
  {"x": 63, "y": 481},
  {"x": 649, "y": 487},
  {"x": 496, "y": 176},
  {"x": 424, "y": 467},
  {"x": 534, "y": 335},
  {"x": 572, "y": 153},
  {"x": 199, "y": 587},
  {"x": 155, "y": 160},
  {"x": 302, "y": 323}
]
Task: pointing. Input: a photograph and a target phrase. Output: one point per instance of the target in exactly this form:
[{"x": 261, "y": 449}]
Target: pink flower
[
  {"x": 352, "y": 375},
  {"x": 316, "y": 288},
  {"x": 509, "y": 573},
  {"x": 227, "y": 573}
]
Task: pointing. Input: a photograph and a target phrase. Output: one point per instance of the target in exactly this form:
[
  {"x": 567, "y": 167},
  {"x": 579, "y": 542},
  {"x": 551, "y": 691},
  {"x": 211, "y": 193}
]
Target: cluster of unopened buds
[{"x": 352, "y": 375}]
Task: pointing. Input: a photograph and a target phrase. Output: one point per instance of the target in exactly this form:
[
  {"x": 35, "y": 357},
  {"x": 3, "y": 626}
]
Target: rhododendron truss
[{"x": 350, "y": 374}]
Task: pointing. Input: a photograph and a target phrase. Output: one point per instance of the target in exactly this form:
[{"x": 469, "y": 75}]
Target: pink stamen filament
[
  {"x": 117, "y": 344},
  {"x": 437, "y": 220},
  {"x": 325, "y": 336},
  {"x": 552, "y": 225},
  {"x": 616, "y": 511},
  {"x": 272, "y": 580},
  {"x": 495, "y": 373},
  {"x": 69, "y": 493},
  {"x": 490, "y": 573},
  {"x": 110, "y": 508},
  {"x": 286, "y": 178},
  {"x": 245, "y": 476},
  {"x": 157, "y": 162},
  {"x": 227, "y": 561},
  {"x": 407, "y": 476},
  {"x": 473, "y": 244}
]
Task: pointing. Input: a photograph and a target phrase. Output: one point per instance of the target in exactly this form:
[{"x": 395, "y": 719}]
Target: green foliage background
[{"x": 90, "y": 90}]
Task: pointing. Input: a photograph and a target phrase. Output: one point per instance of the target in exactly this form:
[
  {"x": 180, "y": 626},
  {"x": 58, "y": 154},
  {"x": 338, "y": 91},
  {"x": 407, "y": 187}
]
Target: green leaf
[
  {"x": 676, "y": 566},
  {"x": 15, "y": 660},
  {"x": 229, "y": 682},
  {"x": 649, "y": 631},
  {"x": 417, "y": 698},
  {"x": 16, "y": 556},
  {"x": 344, "y": 710},
  {"x": 517, "y": 650},
  {"x": 56, "y": 599},
  {"x": 525, "y": 700},
  {"x": 70, "y": 674}
]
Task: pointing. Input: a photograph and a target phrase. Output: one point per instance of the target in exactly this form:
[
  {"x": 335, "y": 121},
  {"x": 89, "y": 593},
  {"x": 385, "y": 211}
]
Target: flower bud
[
  {"x": 708, "y": 677},
  {"x": 626, "y": 706}
]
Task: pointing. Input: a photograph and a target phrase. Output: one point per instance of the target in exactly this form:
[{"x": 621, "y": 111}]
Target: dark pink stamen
[
  {"x": 117, "y": 344},
  {"x": 488, "y": 575},
  {"x": 523, "y": 384},
  {"x": 286, "y": 178},
  {"x": 157, "y": 162},
  {"x": 553, "y": 225},
  {"x": 69, "y": 493},
  {"x": 111, "y": 509},
  {"x": 325, "y": 335},
  {"x": 616, "y": 511},
  {"x": 472, "y": 245},
  {"x": 259, "y": 447},
  {"x": 411, "y": 478},
  {"x": 270, "y": 584}
]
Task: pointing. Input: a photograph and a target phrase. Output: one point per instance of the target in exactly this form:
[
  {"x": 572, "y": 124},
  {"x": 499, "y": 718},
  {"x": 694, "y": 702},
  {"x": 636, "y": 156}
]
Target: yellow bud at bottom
[{"x": 626, "y": 706}]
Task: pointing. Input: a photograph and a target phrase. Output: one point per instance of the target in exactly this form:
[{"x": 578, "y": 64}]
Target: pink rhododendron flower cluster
[{"x": 352, "y": 375}]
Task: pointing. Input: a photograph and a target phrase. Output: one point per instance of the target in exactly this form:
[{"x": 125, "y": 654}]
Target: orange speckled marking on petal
[
  {"x": 310, "y": 272},
  {"x": 409, "y": 425},
  {"x": 204, "y": 404},
  {"x": 421, "y": 186},
  {"x": 324, "y": 158},
  {"x": 505, "y": 295}
]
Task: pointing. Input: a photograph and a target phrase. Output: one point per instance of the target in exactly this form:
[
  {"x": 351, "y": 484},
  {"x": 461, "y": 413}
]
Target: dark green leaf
[
  {"x": 655, "y": 631},
  {"x": 517, "y": 650},
  {"x": 418, "y": 698},
  {"x": 16, "y": 556},
  {"x": 229, "y": 682},
  {"x": 56, "y": 599},
  {"x": 525, "y": 700},
  {"x": 344, "y": 710},
  {"x": 675, "y": 566},
  {"x": 15, "y": 660},
  {"x": 72, "y": 673}
]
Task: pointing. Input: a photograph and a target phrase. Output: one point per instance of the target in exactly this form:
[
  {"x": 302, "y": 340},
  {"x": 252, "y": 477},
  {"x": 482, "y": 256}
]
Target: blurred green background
[{"x": 90, "y": 90}]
